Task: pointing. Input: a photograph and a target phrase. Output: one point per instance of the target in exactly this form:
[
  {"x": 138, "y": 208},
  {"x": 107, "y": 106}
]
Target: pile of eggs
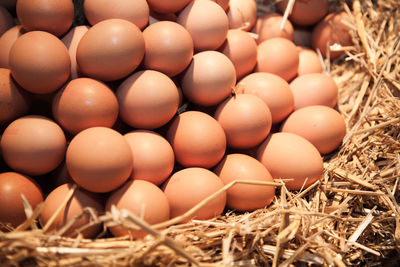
[{"x": 155, "y": 105}]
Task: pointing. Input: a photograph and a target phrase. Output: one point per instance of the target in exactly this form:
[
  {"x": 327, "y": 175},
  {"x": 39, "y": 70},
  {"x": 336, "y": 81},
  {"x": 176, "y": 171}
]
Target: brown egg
[
  {"x": 99, "y": 159},
  {"x": 12, "y": 186},
  {"x": 33, "y": 145},
  {"x": 305, "y": 12},
  {"x": 6, "y": 20},
  {"x": 278, "y": 56},
  {"x": 163, "y": 6},
  {"x": 144, "y": 200},
  {"x": 187, "y": 187},
  {"x": 136, "y": 11},
  {"x": 246, "y": 120},
  {"x": 206, "y": 22},
  {"x": 314, "y": 89},
  {"x": 39, "y": 62},
  {"x": 81, "y": 200},
  {"x": 71, "y": 41},
  {"x": 209, "y": 79},
  {"x": 245, "y": 197},
  {"x": 323, "y": 126},
  {"x": 169, "y": 47},
  {"x": 242, "y": 14},
  {"x": 85, "y": 103},
  {"x": 110, "y": 50},
  {"x": 14, "y": 101},
  {"x": 197, "y": 139},
  {"x": 241, "y": 49},
  {"x": 309, "y": 61},
  {"x": 6, "y": 42},
  {"x": 272, "y": 89},
  {"x": 55, "y": 17},
  {"x": 153, "y": 157},
  {"x": 147, "y": 99},
  {"x": 290, "y": 156},
  {"x": 268, "y": 26}
]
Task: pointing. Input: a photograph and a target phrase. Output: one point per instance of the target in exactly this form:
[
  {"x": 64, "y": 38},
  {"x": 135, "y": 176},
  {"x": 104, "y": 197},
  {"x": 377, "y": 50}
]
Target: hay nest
[{"x": 350, "y": 217}]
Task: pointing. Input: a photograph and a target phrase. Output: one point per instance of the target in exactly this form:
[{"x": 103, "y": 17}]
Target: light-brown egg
[
  {"x": 206, "y": 22},
  {"x": 85, "y": 103},
  {"x": 99, "y": 159},
  {"x": 143, "y": 199},
  {"x": 33, "y": 145},
  {"x": 242, "y": 14},
  {"x": 147, "y": 99},
  {"x": 186, "y": 188},
  {"x": 55, "y": 17},
  {"x": 246, "y": 120},
  {"x": 6, "y": 20},
  {"x": 197, "y": 139},
  {"x": 309, "y": 61},
  {"x": 278, "y": 56},
  {"x": 245, "y": 197},
  {"x": 6, "y": 42},
  {"x": 290, "y": 156},
  {"x": 110, "y": 50},
  {"x": 169, "y": 47},
  {"x": 305, "y": 12},
  {"x": 163, "y": 6},
  {"x": 268, "y": 26}
]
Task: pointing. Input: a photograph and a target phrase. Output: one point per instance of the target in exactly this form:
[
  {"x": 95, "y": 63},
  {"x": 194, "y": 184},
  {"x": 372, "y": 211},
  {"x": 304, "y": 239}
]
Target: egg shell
[
  {"x": 79, "y": 201},
  {"x": 163, "y": 6},
  {"x": 147, "y": 99},
  {"x": 33, "y": 145},
  {"x": 209, "y": 78},
  {"x": 12, "y": 186},
  {"x": 309, "y": 61},
  {"x": 55, "y": 17},
  {"x": 6, "y": 41},
  {"x": 241, "y": 49},
  {"x": 142, "y": 198},
  {"x": 136, "y": 11},
  {"x": 110, "y": 50},
  {"x": 267, "y": 26},
  {"x": 323, "y": 126},
  {"x": 245, "y": 197},
  {"x": 153, "y": 157},
  {"x": 290, "y": 156},
  {"x": 278, "y": 56},
  {"x": 188, "y": 187},
  {"x": 197, "y": 139},
  {"x": 246, "y": 120},
  {"x": 314, "y": 89},
  {"x": 168, "y": 47},
  {"x": 242, "y": 14},
  {"x": 305, "y": 12},
  {"x": 85, "y": 103},
  {"x": 99, "y": 159},
  {"x": 6, "y": 20},
  {"x": 206, "y": 22},
  {"x": 272, "y": 89}
]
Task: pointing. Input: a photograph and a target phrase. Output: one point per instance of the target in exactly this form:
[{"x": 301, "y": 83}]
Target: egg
[
  {"x": 12, "y": 186},
  {"x": 80, "y": 200},
  {"x": 272, "y": 89},
  {"x": 142, "y": 198},
  {"x": 206, "y": 22},
  {"x": 268, "y": 26},
  {"x": 14, "y": 101},
  {"x": 168, "y": 47},
  {"x": 290, "y": 156},
  {"x": 33, "y": 145},
  {"x": 163, "y": 6},
  {"x": 188, "y": 187},
  {"x": 197, "y": 139},
  {"x": 245, "y": 197},
  {"x": 147, "y": 99},
  {"x": 39, "y": 62},
  {"x": 242, "y": 14},
  {"x": 314, "y": 89},
  {"x": 6, "y": 20},
  {"x": 246, "y": 120},
  {"x": 305, "y": 12},
  {"x": 110, "y": 50},
  {"x": 278, "y": 56},
  {"x": 55, "y": 17},
  {"x": 309, "y": 61},
  {"x": 209, "y": 79},
  {"x": 323, "y": 126},
  {"x": 6, "y": 41},
  {"x": 85, "y": 103},
  {"x": 99, "y": 159},
  {"x": 153, "y": 157},
  {"x": 241, "y": 49}
]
